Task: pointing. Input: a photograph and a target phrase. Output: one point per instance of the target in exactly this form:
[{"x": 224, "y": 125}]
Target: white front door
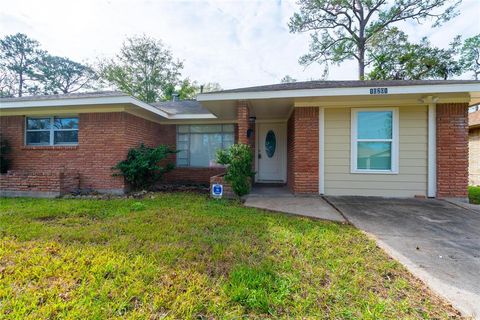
[{"x": 271, "y": 152}]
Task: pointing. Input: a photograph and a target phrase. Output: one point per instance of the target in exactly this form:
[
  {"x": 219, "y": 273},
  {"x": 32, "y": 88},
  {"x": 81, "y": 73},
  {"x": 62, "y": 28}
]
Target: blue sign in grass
[{"x": 217, "y": 190}]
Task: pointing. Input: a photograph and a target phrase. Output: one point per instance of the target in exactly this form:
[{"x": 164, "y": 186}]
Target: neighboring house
[
  {"x": 474, "y": 145},
  {"x": 368, "y": 138}
]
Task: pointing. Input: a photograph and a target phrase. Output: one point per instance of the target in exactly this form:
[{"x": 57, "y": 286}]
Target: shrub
[
  {"x": 142, "y": 167},
  {"x": 474, "y": 194},
  {"x": 238, "y": 159},
  {"x": 4, "y": 151}
]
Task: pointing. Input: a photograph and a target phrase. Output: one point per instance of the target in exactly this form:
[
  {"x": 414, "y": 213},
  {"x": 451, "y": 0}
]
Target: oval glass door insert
[{"x": 270, "y": 143}]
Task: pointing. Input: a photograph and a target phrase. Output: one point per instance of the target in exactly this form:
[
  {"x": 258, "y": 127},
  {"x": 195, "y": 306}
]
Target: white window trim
[
  {"x": 51, "y": 130},
  {"x": 395, "y": 141},
  {"x": 189, "y": 133}
]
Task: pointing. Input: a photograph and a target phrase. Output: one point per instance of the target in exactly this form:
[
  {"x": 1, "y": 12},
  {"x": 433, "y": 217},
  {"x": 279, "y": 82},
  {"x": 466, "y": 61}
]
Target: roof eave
[
  {"x": 121, "y": 99},
  {"x": 331, "y": 92}
]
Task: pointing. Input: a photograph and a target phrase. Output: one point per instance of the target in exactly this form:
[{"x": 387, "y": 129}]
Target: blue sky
[{"x": 235, "y": 43}]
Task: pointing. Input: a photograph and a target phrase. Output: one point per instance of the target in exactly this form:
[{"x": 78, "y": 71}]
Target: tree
[
  {"x": 62, "y": 75},
  {"x": 19, "y": 55},
  {"x": 470, "y": 55},
  {"x": 7, "y": 83},
  {"x": 144, "y": 68},
  {"x": 343, "y": 29},
  {"x": 395, "y": 58},
  {"x": 211, "y": 87},
  {"x": 288, "y": 79},
  {"x": 189, "y": 89}
]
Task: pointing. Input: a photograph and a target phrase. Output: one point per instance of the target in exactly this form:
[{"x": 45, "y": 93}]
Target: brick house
[
  {"x": 368, "y": 138},
  {"x": 474, "y": 145}
]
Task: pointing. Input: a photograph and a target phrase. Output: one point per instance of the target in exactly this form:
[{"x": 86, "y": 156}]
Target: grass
[
  {"x": 184, "y": 256},
  {"x": 474, "y": 194}
]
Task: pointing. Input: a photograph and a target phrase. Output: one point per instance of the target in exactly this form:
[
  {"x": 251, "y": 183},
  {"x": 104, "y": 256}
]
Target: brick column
[
  {"x": 243, "y": 121},
  {"x": 452, "y": 150},
  {"x": 302, "y": 151}
]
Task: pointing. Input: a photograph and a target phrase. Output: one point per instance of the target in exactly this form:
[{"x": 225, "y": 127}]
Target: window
[
  {"x": 198, "y": 144},
  {"x": 47, "y": 131},
  {"x": 374, "y": 140}
]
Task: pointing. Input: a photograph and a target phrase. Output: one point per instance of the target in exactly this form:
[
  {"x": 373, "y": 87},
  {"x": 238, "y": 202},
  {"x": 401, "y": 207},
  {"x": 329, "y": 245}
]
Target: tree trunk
[
  {"x": 20, "y": 85},
  {"x": 361, "y": 69},
  {"x": 361, "y": 61}
]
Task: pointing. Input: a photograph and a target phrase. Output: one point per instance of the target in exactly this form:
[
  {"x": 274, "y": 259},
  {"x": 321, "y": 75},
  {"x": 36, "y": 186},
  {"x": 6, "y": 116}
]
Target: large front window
[
  {"x": 198, "y": 144},
  {"x": 45, "y": 131},
  {"x": 374, "y": 140}
]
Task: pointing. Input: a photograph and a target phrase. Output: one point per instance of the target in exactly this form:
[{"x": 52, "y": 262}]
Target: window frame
[
  {"x": 189, "y": 133},
  {"x": 394, "y": 168},
  {"x": 51, "y": 131}
]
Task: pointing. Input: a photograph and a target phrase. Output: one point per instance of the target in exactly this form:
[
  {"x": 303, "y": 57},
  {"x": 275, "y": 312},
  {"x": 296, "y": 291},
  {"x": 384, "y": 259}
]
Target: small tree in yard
[
  {"x": 238, "y": 159},
  {"x": 142, "y": 167}
]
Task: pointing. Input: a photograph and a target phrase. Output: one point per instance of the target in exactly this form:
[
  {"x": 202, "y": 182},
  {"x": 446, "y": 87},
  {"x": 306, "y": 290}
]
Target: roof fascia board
[
  {"x": 64, "y": 102},
  {"x": 192, "y": 116},
  {"x": 357, "y": 91},
  {"x": 70, "y": 102}
]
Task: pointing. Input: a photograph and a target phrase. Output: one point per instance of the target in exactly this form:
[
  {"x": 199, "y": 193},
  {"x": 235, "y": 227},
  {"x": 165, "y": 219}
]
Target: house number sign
[{"x": 378, "y": 90}]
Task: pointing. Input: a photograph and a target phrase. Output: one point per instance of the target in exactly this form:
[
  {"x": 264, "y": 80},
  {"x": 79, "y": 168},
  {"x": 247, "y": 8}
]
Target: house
[
  {"x": 367, "y": 138},
  {"x": 474, "y": 145}
]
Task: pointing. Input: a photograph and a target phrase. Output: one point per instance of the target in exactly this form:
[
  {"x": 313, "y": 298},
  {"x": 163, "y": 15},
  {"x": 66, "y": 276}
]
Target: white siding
[{"x": 412, "y": 177}]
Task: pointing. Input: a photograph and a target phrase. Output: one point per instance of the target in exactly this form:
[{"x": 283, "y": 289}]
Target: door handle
[{"x": 259, "y": 155}]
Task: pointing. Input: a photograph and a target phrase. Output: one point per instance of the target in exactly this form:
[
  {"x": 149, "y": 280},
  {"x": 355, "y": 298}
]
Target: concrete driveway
[{"x": 437, "y": 241}]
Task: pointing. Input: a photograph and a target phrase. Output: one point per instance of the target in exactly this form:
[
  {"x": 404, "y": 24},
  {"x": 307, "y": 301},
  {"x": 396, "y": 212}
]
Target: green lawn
[
  {"x": 184, "y": 256},
  {"x": 474, "y": 194}
]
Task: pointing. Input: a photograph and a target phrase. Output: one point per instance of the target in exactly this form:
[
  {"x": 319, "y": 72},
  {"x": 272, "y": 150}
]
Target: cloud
[{"x": 235, "y": 43}]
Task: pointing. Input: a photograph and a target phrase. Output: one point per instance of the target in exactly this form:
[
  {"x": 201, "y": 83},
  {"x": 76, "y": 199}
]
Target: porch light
[{"x": 252, "y": 119}]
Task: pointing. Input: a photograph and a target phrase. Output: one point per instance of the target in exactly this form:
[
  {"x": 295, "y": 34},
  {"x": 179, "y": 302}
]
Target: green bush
[
  {"x": 474, "y": 194},
  {"x": 4, "y": 161},
  {"x": 142, "y": 167},
  {"x": 238, "y": 159}
]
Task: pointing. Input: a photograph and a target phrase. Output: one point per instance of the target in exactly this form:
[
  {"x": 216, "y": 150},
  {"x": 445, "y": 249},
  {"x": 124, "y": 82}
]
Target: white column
[
  {"x": 321, "y": 150},
  {"x": 432, "y": 148}
]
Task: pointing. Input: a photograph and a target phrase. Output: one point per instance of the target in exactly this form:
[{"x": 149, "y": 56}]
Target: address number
[{"x": 379, "y": 91}]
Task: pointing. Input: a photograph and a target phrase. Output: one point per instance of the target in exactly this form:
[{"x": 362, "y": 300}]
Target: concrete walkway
[
  {"x": 279, "y": 199},
  {"x": 439, "y": 242}
]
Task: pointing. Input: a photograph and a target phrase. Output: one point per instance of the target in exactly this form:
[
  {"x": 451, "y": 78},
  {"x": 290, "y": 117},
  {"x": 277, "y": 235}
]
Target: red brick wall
[
  {"x": 452, "y": 150},
  {"x": 243, "y": 116},
  {"x": 192, "y": 175},
  {"x": 104, "y": 139},
  {"x": 100, "y": 146},
  {"x": 302, "y": 150},
  {"x": 57, "y": 182}
]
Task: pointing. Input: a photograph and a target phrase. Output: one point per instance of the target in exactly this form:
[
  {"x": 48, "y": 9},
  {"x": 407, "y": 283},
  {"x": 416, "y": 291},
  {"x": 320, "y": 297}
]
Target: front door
[{"x": 271, "y": 149}]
